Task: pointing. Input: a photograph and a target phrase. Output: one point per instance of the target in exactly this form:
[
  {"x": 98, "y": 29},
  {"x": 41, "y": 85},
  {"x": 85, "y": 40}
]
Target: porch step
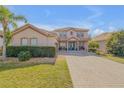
[{"x": 76, "y": 53}]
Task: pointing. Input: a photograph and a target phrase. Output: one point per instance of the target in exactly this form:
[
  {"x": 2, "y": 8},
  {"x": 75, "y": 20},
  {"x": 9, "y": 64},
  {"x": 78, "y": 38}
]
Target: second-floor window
[
  {"x": 80, "y": 34},
  {"x": 71, "y": 33},
  {"x": 62, "y": 34}
]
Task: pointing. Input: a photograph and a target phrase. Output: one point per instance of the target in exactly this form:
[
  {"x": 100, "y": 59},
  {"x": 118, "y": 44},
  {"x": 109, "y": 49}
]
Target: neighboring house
[
  {"x": 101, "y": 39},
  {"x": 72, "y": 38},
  {"x": 1, "y": 39},
  {"x": 64, "y": 39}
]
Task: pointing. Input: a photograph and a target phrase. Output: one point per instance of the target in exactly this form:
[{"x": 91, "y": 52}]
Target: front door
[{"x": 72, "y": 46}]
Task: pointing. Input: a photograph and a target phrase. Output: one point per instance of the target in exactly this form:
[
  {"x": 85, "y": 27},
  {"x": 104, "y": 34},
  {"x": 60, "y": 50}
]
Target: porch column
[
  {"x": 58, "y": 46},
  {"x": 78, "y": 45},
  {"x": 67, "y": 45}
]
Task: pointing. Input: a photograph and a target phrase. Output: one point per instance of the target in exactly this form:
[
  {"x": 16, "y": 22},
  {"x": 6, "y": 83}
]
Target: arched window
[{"x": 24, "y": 41}]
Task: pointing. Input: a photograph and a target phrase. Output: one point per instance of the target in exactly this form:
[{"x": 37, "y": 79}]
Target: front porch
[{"x": 72, "y": 46}]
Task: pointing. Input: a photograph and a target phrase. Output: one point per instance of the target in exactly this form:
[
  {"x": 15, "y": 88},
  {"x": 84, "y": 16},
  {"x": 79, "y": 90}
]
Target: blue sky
[{"x": 98, "y": 19}]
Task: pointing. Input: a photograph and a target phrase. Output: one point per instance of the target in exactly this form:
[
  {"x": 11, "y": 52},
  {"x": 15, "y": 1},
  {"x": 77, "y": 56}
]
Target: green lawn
[
  {"x": 27, "y": 75},
  {"x": 116, "y": 59}
]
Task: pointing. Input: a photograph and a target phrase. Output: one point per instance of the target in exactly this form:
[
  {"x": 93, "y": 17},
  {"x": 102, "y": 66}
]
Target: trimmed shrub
[
  {"x": 13, "y": 51},
  {"x": 24, "y": 55}
]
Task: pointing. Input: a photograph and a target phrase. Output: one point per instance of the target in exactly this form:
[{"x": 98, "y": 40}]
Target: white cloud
[
  {"x": 96, "y": 12},
  {"x": 96, "y": 32},
  {"x": 99, "y": 31},
  {"x": 47, "y": 27},
  {"x": 111, "y": 29}
]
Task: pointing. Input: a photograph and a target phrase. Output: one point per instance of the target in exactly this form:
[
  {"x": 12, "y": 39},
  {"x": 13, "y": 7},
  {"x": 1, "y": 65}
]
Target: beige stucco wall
[
  {"x": 86, "y": 45},
  {"x": 28, "y": 33},
  {"x": 74, "y": 34},
  {"x": 69, "y": 38},
  {"x": 69, "y": 35}
]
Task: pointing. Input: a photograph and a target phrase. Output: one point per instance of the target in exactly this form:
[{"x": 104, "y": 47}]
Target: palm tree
[{"x": 8, "y": 18}]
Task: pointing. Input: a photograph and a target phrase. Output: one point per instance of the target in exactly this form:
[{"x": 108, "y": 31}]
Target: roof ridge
[{"x": 70, "y": 28}]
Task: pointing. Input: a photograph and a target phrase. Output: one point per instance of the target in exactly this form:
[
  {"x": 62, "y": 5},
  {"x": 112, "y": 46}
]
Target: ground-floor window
[
  {"x": 29, "y": 41},
  {"x": 24, "y": 41},
  {"x": 33, "y": 41}
]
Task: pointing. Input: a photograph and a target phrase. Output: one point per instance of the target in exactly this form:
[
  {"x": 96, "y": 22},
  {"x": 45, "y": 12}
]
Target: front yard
[
  {"x": 30, "y": 75},
  {"x": 115, "y": 59}
]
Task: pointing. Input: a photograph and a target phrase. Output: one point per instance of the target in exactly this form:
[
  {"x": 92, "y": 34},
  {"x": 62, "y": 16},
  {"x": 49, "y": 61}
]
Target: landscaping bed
[{"x": 40, "y": 60}]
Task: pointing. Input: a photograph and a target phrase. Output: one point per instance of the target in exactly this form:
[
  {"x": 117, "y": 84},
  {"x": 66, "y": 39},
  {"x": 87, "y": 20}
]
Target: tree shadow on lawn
[{"x": 8, "y": 65}]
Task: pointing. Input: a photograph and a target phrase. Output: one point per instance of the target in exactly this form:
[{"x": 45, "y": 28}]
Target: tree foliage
[
  {"x": 93, "y": 46},
  {"x": 7, "y": 19},
  {"x": 115, "y": 44}
]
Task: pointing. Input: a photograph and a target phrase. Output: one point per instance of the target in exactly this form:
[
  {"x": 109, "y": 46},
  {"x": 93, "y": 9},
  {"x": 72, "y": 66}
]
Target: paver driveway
[{"x": 93, "y": 71}]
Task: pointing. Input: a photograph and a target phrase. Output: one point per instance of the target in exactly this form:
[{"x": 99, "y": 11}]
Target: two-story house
[
  {"x": 63, "y": 39},
  {"x": 72, "y": 38}
]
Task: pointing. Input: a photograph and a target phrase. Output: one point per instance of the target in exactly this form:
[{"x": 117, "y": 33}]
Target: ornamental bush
[
  {"x": 13, "y": 51},
  {"x": 24, "y": 55},
  {"x": 115, "y": 44}
]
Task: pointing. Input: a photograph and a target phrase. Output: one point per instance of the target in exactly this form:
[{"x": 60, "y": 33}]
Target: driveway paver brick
[{"x": 94, "y": 71}]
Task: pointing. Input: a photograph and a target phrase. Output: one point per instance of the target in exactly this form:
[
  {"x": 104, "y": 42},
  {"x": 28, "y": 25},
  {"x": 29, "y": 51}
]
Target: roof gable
[
  {"x": 41, "y": 31},
  {"x": 73, "y": 39},
  {"x": 102, "y": 37}
]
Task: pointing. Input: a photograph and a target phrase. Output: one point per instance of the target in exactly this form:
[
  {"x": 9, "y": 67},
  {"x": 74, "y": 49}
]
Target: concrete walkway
[{"x": 93, "y": 71}]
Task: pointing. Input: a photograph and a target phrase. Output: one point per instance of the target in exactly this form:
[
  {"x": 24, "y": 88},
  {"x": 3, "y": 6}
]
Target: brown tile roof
[
  {"x": 70, "y": 29},
  {"x": 42, "y": 31},
  {"x": 102, "y": 37}
]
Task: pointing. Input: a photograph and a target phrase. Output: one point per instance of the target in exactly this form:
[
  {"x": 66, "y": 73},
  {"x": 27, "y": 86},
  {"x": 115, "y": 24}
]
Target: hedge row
[{"x": 13, "y": 51}]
